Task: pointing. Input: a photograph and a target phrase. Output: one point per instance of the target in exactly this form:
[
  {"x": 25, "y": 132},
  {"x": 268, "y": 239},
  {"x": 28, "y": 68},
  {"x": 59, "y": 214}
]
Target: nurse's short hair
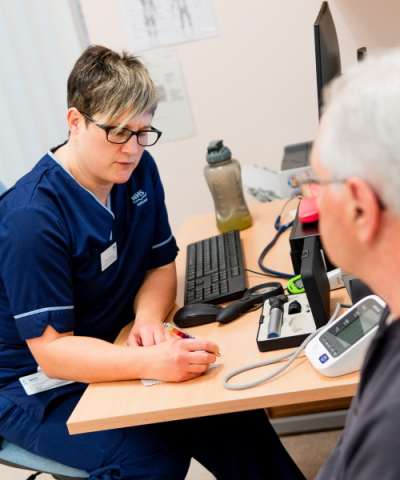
[
  {"x": 106, "y": 82},
  {"x": 360, "y": 134}
]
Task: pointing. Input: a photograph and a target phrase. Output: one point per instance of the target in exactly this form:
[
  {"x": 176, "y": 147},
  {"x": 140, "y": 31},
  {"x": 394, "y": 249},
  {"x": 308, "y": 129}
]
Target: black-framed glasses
[
  {"x": 118, "y": 135},
  {"x": 309, "y": 186}
]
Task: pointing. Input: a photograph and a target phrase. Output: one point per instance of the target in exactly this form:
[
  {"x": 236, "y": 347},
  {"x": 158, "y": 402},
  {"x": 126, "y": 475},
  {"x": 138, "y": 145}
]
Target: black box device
[
  {"x": 315, "y": 280},
  {"x": 300, "y": 232},
  {"x": 312, "y": 308}
]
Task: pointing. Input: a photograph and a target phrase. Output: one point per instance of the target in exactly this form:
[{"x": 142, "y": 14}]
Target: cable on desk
[
  {"x": 280, "y": 229},
  {"x": 294, "y": 354},
  {"x": 263, "y": 274},
  {"x": 258, "y": 273}
]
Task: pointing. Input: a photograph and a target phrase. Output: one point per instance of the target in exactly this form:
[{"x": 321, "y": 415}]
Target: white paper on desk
[
  {"x": 267, "y": 185},
  {"x": 263, "y": 179},
  {"x": 149, "y": 383}
]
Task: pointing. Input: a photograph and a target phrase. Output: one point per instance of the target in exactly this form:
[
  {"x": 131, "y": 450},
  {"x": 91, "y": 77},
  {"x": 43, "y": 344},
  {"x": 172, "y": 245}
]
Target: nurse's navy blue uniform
[{"x": 52, "y": 234}]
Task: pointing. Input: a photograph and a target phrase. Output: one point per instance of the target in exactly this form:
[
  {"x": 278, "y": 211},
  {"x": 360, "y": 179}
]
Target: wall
[
  {"x": 253, "y": 85},
  {"x": 39, "y": 47}
]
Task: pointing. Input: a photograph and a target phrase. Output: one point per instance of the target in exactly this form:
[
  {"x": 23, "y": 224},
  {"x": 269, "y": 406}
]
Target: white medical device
[{"x": 340, "y": 347}]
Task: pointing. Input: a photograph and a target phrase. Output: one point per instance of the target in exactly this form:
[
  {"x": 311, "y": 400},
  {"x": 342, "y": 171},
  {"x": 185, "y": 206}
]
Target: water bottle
[{"x": 225, "y": 182}]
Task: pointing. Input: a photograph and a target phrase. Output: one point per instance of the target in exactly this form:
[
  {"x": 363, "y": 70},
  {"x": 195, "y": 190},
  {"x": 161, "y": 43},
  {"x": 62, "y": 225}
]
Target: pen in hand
[{"x": 181, "y": 333}]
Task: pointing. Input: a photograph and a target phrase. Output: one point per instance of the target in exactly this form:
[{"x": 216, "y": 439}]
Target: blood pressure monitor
[{"x": 340, "y": 347}]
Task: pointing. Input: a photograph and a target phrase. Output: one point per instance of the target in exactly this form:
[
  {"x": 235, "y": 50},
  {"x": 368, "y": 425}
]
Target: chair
[{"x": 14, "y": 456}]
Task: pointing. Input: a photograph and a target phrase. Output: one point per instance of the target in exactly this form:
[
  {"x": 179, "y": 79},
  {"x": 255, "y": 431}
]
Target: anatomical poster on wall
[
  {"x": 157, "y": 23},
  {"x": 173, "y": 116}
]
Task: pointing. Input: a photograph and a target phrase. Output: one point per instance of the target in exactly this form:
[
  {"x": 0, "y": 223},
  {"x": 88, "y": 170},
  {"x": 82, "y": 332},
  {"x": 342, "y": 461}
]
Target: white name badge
[
  {"x": 109, "y": 256},
  {"x": 38, "y": 382}
]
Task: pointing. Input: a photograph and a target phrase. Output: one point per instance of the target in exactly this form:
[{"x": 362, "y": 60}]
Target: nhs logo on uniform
[{"x": 139, "y": 198}]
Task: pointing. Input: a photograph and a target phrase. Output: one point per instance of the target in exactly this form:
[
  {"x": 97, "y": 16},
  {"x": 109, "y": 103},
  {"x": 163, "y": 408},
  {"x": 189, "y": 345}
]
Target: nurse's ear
[{"x": 75, "y": 121}]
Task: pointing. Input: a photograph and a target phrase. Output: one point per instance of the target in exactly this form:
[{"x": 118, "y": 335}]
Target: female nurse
[{"x": 86, "y": 247}]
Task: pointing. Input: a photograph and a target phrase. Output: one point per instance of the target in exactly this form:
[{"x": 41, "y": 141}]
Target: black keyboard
[{"x": 215, "y": 269}]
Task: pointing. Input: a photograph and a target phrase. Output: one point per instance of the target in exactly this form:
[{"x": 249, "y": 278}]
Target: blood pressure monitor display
[
  {"x": 358, "y": 328},
  {"x": 351, "y": 328}
]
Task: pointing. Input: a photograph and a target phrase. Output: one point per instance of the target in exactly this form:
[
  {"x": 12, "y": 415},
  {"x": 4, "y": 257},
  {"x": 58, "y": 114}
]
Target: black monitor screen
[{"x": 327, "y": 55}]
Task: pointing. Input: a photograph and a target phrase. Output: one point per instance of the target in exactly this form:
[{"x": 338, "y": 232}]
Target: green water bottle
[{"x": 224, "y": 179}]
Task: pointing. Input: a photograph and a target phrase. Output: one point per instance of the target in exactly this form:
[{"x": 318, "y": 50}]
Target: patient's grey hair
[
  {"x": 360, "y": 133},
  {"x": 106, "y": 82}
]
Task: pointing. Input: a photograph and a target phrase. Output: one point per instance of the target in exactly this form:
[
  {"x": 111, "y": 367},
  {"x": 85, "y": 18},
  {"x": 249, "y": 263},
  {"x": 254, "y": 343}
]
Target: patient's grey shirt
[{"x": 369, "y": 448}]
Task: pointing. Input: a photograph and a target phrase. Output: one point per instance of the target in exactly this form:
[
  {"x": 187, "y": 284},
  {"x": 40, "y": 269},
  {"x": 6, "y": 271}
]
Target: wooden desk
[{"x": 121, "y": 404}]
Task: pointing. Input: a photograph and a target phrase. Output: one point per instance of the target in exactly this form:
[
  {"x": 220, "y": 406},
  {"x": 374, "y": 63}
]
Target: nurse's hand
[
  {"x": 177, "y": 360},
  {"x": 147, "y": 334}
]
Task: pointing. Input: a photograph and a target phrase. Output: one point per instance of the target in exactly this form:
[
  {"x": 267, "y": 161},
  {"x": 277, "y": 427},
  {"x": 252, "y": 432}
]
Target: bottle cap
[{"x": 217, "y": 152}]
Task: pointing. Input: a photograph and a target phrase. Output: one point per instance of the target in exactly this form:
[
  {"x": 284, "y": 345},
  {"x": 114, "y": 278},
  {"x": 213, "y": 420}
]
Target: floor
[{"x": 309, "y": 451}]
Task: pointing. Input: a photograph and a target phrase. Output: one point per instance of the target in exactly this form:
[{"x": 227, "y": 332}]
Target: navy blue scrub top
[{"x": 52, "y": 234}]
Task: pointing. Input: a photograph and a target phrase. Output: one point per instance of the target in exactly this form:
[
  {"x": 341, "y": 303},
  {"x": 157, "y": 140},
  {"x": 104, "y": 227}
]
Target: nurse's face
[{"x": 103, "y": 162}]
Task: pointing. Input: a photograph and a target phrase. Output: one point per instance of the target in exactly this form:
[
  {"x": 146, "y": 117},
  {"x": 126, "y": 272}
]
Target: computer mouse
[{"x": 196, "y": 314}]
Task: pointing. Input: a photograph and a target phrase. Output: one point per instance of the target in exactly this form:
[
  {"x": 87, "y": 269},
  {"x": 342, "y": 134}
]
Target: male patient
[{"x": 357, "y": 160}]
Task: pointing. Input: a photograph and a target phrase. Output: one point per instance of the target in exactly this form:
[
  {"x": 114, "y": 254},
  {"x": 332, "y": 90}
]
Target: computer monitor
[{"x": 327, "y": 54}]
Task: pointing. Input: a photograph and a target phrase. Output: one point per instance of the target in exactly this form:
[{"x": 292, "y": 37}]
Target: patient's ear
[{"x": 364, "y": 209}]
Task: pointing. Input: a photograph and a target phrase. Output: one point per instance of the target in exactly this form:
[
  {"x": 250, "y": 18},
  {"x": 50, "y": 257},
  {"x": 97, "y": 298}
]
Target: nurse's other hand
[{"x": 148, "y": 334}]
